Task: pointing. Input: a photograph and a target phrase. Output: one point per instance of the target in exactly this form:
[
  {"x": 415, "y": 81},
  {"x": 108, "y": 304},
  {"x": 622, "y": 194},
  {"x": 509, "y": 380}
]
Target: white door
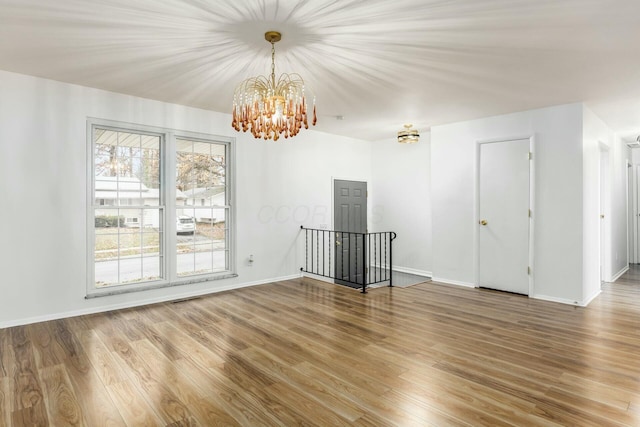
[
  {"x": 636, "y": 214},
  {"x": 630, "y": 216},
  {"x": 604, "y": 170},
  {"x": 503, "y": 236}
]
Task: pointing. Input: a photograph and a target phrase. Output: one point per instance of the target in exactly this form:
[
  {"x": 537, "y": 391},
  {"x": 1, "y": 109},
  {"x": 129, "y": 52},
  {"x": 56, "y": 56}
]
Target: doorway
[
  {"x": 504, "y": 213},
  {"x": 604, "y": 217},
  {"x": 634, "y": 213},
  {"x": 350, "y": 224},
  {"x": 631, "y": 251}
]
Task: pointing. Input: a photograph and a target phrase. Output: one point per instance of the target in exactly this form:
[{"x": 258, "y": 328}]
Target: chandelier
[
  {"x": 408, "y": 135},
  {"x": 268, "y": 107}
]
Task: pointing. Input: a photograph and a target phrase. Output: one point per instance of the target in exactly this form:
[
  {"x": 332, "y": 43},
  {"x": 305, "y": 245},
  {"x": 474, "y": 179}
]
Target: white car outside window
[{"x": 185, "y": 224}]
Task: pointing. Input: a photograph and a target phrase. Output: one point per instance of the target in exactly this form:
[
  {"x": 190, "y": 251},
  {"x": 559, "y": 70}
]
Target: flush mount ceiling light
[
  {"x": 408, "y": 135},
  {"x": 268, "y": 107},
  {"x": 634, "y": 144}
]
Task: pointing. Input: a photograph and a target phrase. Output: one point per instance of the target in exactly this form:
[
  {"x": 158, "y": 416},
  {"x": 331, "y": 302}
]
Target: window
[
  {"x": 145, "y": 227},
  {"x": 201, "y": 171}
]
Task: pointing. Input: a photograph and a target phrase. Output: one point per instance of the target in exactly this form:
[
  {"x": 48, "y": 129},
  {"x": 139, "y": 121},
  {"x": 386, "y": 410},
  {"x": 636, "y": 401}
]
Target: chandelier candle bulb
[{"x": 269, "y": 107}]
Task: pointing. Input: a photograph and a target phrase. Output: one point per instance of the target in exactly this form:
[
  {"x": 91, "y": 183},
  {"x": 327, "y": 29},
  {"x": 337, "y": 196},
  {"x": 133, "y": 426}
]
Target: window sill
[{"x": 126, "y": 289}]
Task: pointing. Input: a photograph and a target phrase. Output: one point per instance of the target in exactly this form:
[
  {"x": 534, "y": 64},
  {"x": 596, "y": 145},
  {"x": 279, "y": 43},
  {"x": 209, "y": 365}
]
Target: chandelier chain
[{"x": 273, "y": 63}]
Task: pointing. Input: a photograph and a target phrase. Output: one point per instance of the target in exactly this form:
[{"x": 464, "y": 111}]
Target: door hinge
[
  {"x": 530, "y": 155},
  {"x": 528, "y": 270},
  {"x": 529, "y": 213}
]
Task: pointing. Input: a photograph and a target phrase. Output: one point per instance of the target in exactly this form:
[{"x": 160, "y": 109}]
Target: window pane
[
  {"x": 106, "y": 251},
  {"x": 131, "y": 270},
  {"x": 150, "y": 219},
  {"x": 151, "y": 258},
  {"x": 107, "y": 229},
  {"x": 127, "y": 174},
  {"x": 129, "y": 242},
  {"x": 151, "y": 267},
  {"x": 151, "y": 243},
  {"x": 104, "y": 164},
  {"x": 200, "y": 185},
  {"x": 149, "y": 172},
  {"x": 201, "y": 240}
]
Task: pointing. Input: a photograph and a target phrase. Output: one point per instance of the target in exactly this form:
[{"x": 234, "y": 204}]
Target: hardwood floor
[{"x": 308, "y": 353}]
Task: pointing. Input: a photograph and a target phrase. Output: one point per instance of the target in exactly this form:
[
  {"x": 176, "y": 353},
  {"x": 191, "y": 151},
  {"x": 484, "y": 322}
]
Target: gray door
[{"x": 350, "y": 218}]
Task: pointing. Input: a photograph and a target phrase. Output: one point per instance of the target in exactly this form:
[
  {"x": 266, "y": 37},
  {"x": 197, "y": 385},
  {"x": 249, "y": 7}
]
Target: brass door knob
[{"x": 483, "y": 222}]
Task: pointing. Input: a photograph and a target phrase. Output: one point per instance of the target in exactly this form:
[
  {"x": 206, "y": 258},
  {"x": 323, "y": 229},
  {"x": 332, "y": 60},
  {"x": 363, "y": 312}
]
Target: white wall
[
  {"x": 402, "y": 200},
  {"x": 558, "y": 206},
  {"x": 43, "y": 194}
]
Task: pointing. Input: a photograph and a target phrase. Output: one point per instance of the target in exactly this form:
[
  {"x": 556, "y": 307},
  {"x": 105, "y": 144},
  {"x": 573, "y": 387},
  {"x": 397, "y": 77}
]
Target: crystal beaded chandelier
[{"x": 269, "y": 107}]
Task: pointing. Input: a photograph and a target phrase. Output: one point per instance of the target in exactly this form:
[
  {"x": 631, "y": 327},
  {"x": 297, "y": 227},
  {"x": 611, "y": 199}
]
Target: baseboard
[
  {"x": 413, "y": 271},
  {"x": 556, "y": 299},
  {"x": 407, "y": 270},
  {"x": 453, "y": 282},
  {"x": 319, "y": 278},
  {"x": 587, "y": 301},
  {"x": 620, "y": 273},
  {"x": 173, "y": 297},
  {"x": 383, "y": 266}
]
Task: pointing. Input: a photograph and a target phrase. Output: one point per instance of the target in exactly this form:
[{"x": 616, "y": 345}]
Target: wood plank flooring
[{"x": 304, "y": 352}]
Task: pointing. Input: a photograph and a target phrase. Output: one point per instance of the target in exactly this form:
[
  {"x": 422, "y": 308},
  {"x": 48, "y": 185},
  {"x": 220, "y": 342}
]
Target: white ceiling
[{"x": 379, "y": 64}]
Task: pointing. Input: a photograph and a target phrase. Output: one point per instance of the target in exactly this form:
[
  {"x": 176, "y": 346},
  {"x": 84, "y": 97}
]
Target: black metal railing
[{"x": 353, "y": 259}]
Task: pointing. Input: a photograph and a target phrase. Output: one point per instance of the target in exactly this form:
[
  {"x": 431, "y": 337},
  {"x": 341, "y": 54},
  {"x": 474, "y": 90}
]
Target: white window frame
[{"x": 168, "y": 242}]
